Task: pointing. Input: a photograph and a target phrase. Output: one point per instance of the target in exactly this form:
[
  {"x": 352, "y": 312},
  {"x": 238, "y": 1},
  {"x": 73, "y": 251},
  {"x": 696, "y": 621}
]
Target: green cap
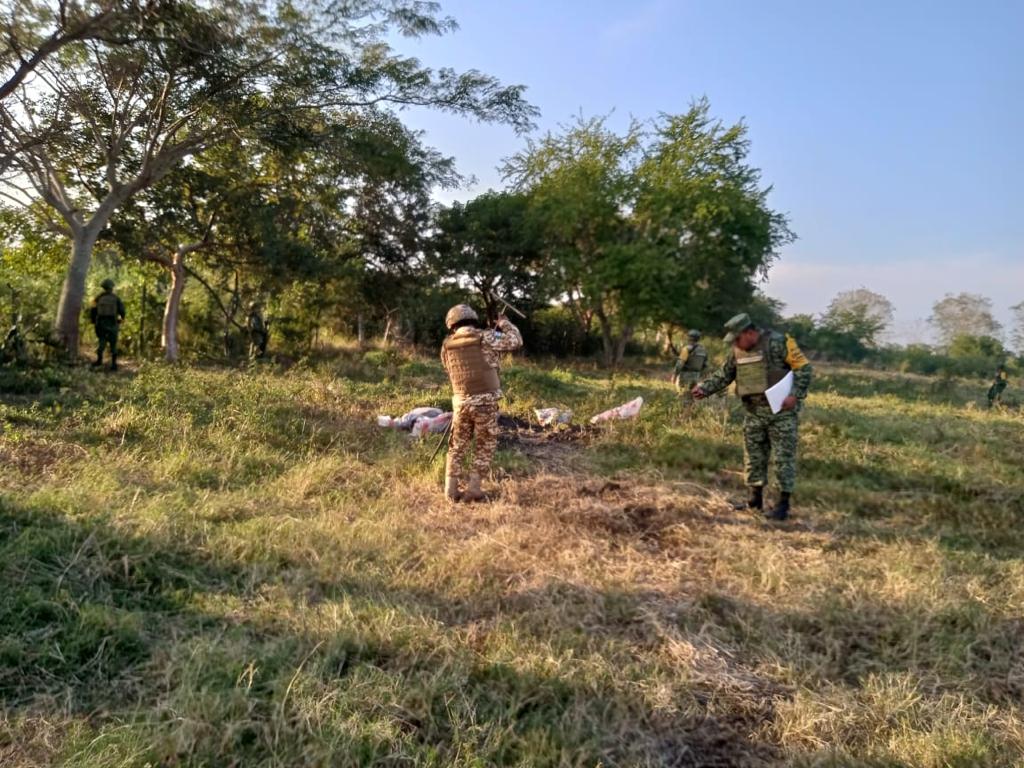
[{"x": 737, "y": 325}]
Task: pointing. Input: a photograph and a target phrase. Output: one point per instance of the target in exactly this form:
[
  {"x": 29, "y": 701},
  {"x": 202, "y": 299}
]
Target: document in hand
[{"x": 779, "y": 392}]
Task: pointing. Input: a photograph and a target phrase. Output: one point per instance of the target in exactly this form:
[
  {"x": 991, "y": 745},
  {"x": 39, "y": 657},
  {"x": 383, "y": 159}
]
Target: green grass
[{"x": 210, "y": 567}]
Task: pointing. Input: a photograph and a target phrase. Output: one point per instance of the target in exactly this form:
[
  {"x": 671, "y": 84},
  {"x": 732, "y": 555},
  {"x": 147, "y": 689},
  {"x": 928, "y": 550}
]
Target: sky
[{"x": 891, "y": 132}]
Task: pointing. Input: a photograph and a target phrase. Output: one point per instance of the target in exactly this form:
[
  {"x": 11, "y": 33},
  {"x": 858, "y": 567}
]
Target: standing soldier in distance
[
  {"x": 760, "y": 358},
  {"x": 470, "y": 356},
  {"x": 690, "y": 365},
  {"x": 106, "y": 314},
  {"x": 259, "y": 334},
  {"x": 995, "y": 392}
]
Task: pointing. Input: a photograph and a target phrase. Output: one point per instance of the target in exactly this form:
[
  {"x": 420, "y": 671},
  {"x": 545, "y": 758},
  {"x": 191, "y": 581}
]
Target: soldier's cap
[
  {"x": 693, "y": 333},
  {"x": 107, "y": 284},
  {"x": 737, "y": 325}
]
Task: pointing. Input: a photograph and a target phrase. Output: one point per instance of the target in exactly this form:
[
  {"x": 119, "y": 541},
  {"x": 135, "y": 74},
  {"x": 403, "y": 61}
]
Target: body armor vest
[
  {"x": 106, "y": 306},
  {"x": 754, "y": 370},
  {"x": 467, "y": 366},
  {"x": 695, "y": 360}
]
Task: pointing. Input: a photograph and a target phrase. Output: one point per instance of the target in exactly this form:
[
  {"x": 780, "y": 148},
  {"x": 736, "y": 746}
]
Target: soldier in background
[
  {"x": 690, "y": 365},
  {"x": 758, "y": 360},
  {"x": 259, "y": 333},
  {"x": 106, "y": 314},
  {"x": 995, "y": 392},
  {"x": 470, "y": 356}
]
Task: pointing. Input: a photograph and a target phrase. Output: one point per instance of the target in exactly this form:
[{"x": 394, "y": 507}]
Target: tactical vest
[
  {"x": 106, "y": 306},
  {"x": 754, "y": 370},
  {"x": 695, "y": 360},
  {"x": 467, "y": 366}
]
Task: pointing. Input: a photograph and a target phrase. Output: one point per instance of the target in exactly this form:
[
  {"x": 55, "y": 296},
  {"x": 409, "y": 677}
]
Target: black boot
[
  {"x": 98, "y": 362},
  {"x": 781, "y": 510},
  {"x": 113, "y": 362},
  {"x": 754, "y": 501}
]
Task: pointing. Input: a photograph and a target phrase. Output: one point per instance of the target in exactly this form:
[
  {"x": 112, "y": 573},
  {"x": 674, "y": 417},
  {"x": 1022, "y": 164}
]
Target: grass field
[{"x": 213, "y": 567}]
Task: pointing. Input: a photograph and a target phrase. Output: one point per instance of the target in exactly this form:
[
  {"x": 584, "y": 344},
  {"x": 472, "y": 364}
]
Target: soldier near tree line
[
  {"x": 691, "y": 364},
  {"x": 760, "y": 358},
  {"x": 106, "y": 314},
  {"x": 470, "y": 356},
  {"x": 259, "y": 333},
  {"x": 995, "y": 392}
]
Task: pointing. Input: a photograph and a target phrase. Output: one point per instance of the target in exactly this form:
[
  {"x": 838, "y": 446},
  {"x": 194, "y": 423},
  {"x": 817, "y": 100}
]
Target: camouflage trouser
[
  {"x": 995, "y": 392},
  {"x": 481, "y": 420},
  {"x": 106, "y": 334},
  {"x": 686, "y": 381},
  {"x": 768, "y": 436}
]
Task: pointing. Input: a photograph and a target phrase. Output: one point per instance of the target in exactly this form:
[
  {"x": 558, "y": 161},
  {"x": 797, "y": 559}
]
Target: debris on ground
[
  {"x": 547, "y": 417},
  {"x": 514, "y": 429},
  {"x": 419, "y": 421},
  {"x": 625, "y": 411}
]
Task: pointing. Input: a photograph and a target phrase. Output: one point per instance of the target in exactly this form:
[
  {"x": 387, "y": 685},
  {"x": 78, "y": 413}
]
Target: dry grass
[{"x": 224, "y": 568}]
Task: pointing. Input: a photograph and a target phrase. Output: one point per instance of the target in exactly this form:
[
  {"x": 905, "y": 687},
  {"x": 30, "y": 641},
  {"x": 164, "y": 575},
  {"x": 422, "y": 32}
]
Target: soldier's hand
[
  {"x": 698, "y": 394},
  {"x": 789, "y": 403}
]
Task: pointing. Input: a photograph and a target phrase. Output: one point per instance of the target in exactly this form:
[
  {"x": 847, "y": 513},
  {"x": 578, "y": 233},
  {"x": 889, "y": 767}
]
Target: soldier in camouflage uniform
[
  {"x": 106, "y": 314},
  {"x": 259, "y": 334},
  {"x": 759, "y": 359},
  {"x": 690, "y": 366},
  {"x": 995, "y": 392},
  {"x": 470, "y": 356}
]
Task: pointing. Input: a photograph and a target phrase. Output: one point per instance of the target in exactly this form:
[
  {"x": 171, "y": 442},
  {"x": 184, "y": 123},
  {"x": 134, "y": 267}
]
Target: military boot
[
  {"x": 451, "y": 481},
  {"x": 755, "y": 500},
  {"x": 473, "y": 491},
  {"x": 113, "y": 362},
  {"x": 781, "y": 510},
  {"x": 98, "y": 362}
]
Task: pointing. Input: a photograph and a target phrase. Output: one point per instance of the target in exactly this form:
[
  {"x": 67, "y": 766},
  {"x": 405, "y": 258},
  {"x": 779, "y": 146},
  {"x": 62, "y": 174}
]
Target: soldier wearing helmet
[
  {"x": 692, "y": 362},
  {"x": 470, "y": 355},
  {"x": 106, "y": 314},
  {"x": 758, "y": 360}
]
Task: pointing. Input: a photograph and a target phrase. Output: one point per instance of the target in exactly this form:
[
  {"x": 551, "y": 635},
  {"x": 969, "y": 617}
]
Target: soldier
[
  {"x": 259, "y": 333},
  {"x": 106, "y": 314},
  {"x": 759, "y": 359},
  {"x": 995, "y": 392},
  {"x": 470, "y": 356},
  {"x": 690, "y": 366}
]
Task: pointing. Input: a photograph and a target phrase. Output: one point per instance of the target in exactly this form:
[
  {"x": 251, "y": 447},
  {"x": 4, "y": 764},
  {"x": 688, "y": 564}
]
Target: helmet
[
  {"x": 458, "y": 313},
  {"x": 693, "y": 334},
  {"x": 107, "y": 285}
]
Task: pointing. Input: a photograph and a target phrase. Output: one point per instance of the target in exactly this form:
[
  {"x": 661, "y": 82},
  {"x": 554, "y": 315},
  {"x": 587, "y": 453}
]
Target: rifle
[
  {"x": 506, "y": 305},
  {"x": 445, "y": 438}
]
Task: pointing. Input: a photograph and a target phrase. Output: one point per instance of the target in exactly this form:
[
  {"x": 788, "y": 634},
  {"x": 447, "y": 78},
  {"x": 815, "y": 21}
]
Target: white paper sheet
[{"x": 779, "y": 392}]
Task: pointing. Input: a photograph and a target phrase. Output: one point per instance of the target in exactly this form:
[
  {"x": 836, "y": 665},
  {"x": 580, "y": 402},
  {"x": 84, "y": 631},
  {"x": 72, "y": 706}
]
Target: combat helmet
[
  {"x": 694, "y": 334},
  {"x": 458, "y": 314},
  {"x": 107, "y": 285}
]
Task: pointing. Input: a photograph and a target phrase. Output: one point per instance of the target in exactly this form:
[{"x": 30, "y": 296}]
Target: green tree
[
  {"x": 859, "y": 314},
  {"x": 965, "y": 314},
  {"x": 491, "y": 244},
  {"x": 666, "y": 222},
  {"x": 1018, "y": 328},
  {"x": 198, "y": 76}
]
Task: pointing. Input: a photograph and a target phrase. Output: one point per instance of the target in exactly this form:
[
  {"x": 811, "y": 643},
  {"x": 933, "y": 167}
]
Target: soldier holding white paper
[{"x": 759, "y": 360}]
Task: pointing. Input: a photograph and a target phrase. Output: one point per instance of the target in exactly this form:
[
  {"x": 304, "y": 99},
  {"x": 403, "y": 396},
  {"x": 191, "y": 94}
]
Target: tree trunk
[
  {"x": 172, "y": 309},
  {"x": 620, "y": 344},
  {"x": 72, "y": 294},
  {"x": 607, "y": 340},
  {"x": 360, "y": 329}
]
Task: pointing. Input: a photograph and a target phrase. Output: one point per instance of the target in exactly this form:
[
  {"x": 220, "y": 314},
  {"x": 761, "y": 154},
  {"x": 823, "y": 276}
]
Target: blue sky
[{"x": 891, "y": 131}]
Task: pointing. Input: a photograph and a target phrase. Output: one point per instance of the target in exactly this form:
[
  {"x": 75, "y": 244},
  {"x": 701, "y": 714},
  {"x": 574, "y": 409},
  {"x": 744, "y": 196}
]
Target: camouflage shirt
[
  {"x": 783, "y": 353},
  {"x": 496, "y": 342}
]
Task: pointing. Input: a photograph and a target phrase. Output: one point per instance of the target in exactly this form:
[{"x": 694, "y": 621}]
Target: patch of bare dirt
[{"x": 37, "y": 457}]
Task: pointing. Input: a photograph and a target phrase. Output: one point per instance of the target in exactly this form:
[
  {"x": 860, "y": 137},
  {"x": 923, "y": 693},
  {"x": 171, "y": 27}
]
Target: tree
[
  {"x": 492, "y": 244},
  {"x": 1018, "y": 328},
  {"x": 130, "y": 113},
  {"x": 665, "y": 223},
  {"x": 860, "y": 314},
  {"x": 965, "y": 314}
]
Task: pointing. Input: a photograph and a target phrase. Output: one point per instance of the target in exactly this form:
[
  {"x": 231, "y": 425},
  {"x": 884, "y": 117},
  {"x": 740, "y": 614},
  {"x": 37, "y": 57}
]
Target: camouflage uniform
[
  {"x": 690, "y": 366},
  {"x": 106, "y": 314},
  {"x": 766, "y": 435},
  {"x": 476, "y": 414},
  {"x": 995, "y": 392},
  {"x": 259, "y": 335}
]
